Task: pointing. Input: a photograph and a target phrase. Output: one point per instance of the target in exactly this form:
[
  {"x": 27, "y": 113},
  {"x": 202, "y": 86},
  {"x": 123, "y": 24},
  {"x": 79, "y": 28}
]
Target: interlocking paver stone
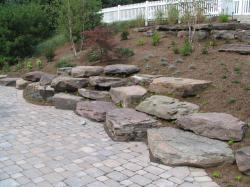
[{"x": 43, "y": 146}]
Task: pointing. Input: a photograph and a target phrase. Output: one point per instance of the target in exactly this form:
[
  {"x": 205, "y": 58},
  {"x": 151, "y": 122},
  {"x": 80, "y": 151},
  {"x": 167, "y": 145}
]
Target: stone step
[
  {"x": 86, "y": 71},
  {"x": 95, "y": 95},
  {"x": 66, "y": 101},
  {"x": 242, "y": 49},
  {"x": 128, "y": 124},
  {"x": 178, "y": 86},
  {"x": 8, "y": 82},
  {"x": 3, "y": 76},
  {"x": 166, "y": 107},
  {"x": 121, "y": 70},
  {"x": 175, "y": 147},
  {"x": 22, "y": 84}
]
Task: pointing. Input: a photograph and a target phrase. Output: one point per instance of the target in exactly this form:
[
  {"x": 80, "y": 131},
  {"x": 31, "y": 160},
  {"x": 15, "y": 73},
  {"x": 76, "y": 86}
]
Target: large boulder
[
  {"x": 95, "y": 95},
  {"x": 34, "y": 76},
  {"x": 243, "y": 160},
  {"x": 94, "y": 110},
  {"x": 64, "y": 71},
  {"x": 68, "y": 84},
  {"x": 214, "y": 125},
  {"x": 166, "y": 107},
  {"x": 8, "y": 82},
  {"x": 3, "y": 76},
  {"x": 143, "y": 79},
  {"x": 66, "y": 101},
  {"x": 105, "y": 83},
  {"x": 224, "y": 34},
  {"x": 175, "y": 147},
  {"x": 178, "y": 86},
  {"x": 199, "y": 35},
  {"x": 242, "y": 49},
  {"x": 21, "y": 84},
  {"x": 243, "y": 35},
  {"x": 35, "y": 93},
  {"x": 46, "y": 79},
  {"x": 128, "y": 124},
  {"x": 86, "y": 71},
  {"x": 121, "y": 69},
  {"x": 129, "y": 96}
]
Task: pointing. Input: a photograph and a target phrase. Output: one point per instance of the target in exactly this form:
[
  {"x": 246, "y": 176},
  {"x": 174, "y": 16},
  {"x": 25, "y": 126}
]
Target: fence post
[
  {"x": 118, "y": 12},
  {"x": 146, "y": 13}
]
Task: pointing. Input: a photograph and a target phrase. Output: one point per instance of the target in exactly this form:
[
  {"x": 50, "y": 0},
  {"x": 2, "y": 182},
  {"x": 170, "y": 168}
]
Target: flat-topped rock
[
  {"x": 243, "y": 160},
  {"x": 69, "y": 84},
  {"x": 105, "y": 83},
  {"x": 121, "y": 69},
  {"x": 95, "y": 95},
  {"x": 33, "y": 76},
  {"x": 178, "y": 86},
  {"x": 94, "y": 110},
  {"x": 21, "y": 84},
  {"x": 35, "y": 93},
  {"x": 128, "y": 124},
  {"x": 175, "y": 147},
  {"x": 64, "y": 71},
  {"x": 46, "y": 79},
  {"x": 3, "y": 76},
  {"x": 166, "y": 107},
  {"x": 8, "y": 82},
  {"x": 214, "y": 125},
  {"x": 86, "y": 71},
  {"x": 129, "y": 96},
  {"x": 243, "y": 49},
  {"x": 243, "y": 35},
  {"x": 224, "y": 34},
  {"x": 66, "y": 101},
  {"x": 143, "y": 79}
]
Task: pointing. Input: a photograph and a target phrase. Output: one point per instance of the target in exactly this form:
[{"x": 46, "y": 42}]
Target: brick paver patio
[{"x": 42, "y": 146}]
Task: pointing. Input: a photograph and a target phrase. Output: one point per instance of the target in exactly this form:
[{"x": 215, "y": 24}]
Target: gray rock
[
  {"x": 95, "y": 95},
  {"x": 143, "y": 79},
  {"x": 68, "y": 84},
  {"x": 8, "y": 82},
  {"x": 94, "y": 110},
  {"x": 128, "y": 96},
  {"x": 214, "y": 125},
  {"x": 38, "y": 94},
  {"x": 34, "y": 76},
  {"x": 86, "y": 71},
  {"x": 175, "y": 147},
  {"x": 166, "y": 107},
  {"x": 243, "y": 160},
  {"x": 179, "y": 61},
  {"x": 148, "y": 33},
  {"x": 235, "y": 48},
  {"x": 66, "y": 101},
  {"x": 128, "y": 124},
  {"x": 121, "y": 69},
  {"x": 178, "y": 86},
  {"x": 164, "y": 62},
  {"x": 46, "y": 79},
  {"x": 3, "y": 76},
  {"x": 64, "y": 71},
  {"x": 243, "y": 36},
  {"x": 105, "y": 83},
  {"x": 21, "y": 84},
  {"x": 223, "y": 34},
  {"x": 201, "y": 35}
]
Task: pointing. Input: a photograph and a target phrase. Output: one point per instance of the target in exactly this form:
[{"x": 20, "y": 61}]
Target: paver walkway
[{"x": 42, "y": 146}]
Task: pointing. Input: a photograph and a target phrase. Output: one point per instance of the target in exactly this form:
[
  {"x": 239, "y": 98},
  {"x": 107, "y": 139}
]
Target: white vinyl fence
[{"x": 149, "y": 9}]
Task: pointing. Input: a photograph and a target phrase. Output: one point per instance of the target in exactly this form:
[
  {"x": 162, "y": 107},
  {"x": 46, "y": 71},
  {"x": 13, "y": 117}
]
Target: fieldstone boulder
[
  {"x": 128, "y": 124},
  {"x": 46, "y": 79},
  {"x": 95, "y": 95},
  {"x": 199, "y": 35},
  {"x": 86, "y": 71},
  {"x": 34, "y": 76},
  {"x": 121, "y": 69},
  {"x": 223, "y": 34},
  {"x": 175, "y": 147},
  {"x": 166, "y": 107},
  {"x": 21, "y": 84},
  {"x": 242, "y": 49},
  {"x": 143, "y": 79},
  {"x": 8, "y": 82},
  {"x": 178, "y": 86},
  {"x": 243, "y": 160},
  {"x": 38, "y": 94},
  {"x": 128, "y": 96},
  {"x": 105, "y": 83},
  {"x": 94, "y": 110},
  {"x": 66, "y": 101},
  {"x": 69, "y": 84},
  {"x": 214, "y": 125},
  {"x": 243, "y": 35},
  {"x": 64, "y": 71},
  {"x": 3, "y": 76}
]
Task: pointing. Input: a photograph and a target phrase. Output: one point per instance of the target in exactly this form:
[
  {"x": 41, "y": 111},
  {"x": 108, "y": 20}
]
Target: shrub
[
  {"x": 173, "y": 14},
  {"x": 29, "y": 65},
  {"x": 155, "y": 39},
  {"x": 125, "y": 52},
  {"x": 186, "y": 49},
  {"x": 94, "y": 55},
  {"x": 216, "y": 174},
  {"x": 63, "y": 63},
  {"x": 49, "y": 54},
  {"x": 141, "y": 42},
  {"x": 223, "y": 18},
  {"x": 39, "y": 64},
  {"x": 19, "y": 66},
  {"x": 6, "y": 67},
  {"x": 124, "y": 35}
]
